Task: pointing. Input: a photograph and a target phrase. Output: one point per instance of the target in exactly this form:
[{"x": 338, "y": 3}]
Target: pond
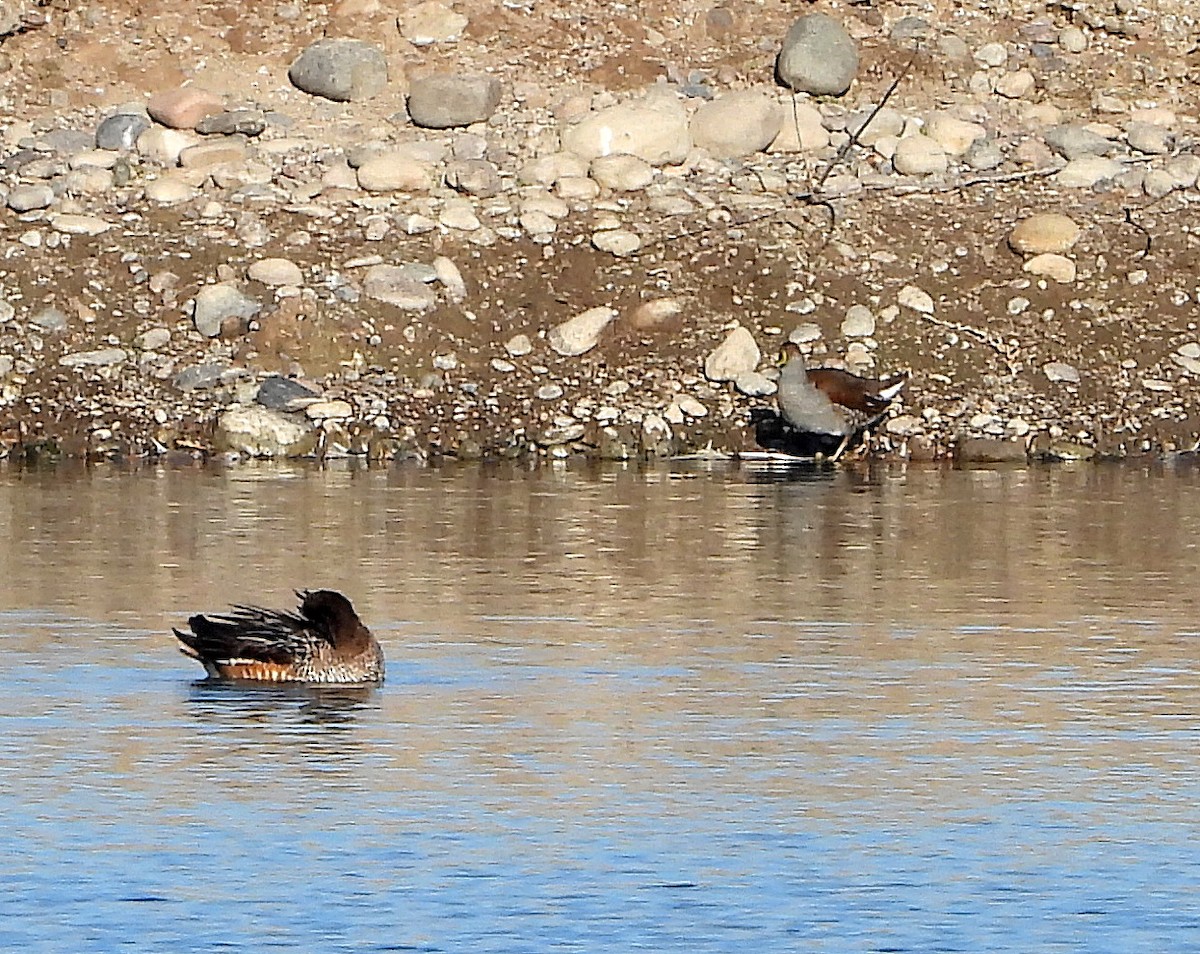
[{"x": 679, "y": 709}]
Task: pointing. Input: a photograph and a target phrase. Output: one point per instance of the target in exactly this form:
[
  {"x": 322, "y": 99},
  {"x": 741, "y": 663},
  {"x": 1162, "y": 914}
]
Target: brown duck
[
  {"x": 830, "y": 401},
  {"x": 323, "y": 642}
]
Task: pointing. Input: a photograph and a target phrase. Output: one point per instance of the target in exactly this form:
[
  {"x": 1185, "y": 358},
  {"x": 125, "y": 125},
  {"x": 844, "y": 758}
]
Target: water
[{"x": 691, "y": 710}]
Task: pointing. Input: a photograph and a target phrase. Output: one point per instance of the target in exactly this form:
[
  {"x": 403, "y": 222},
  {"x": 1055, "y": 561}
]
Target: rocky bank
[{"x": 545, "y": 229}]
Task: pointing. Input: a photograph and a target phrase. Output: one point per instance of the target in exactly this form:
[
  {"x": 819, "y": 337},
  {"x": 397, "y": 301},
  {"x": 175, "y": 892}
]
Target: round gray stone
[
  {"x": 26, "y": 198},
  {"x": 120, "y": 132},
  {"x": 340, "y": 69},
  {"x": 445, "y": 100},
  {"x": 216, "y": 304},
  {"x": 818, "y": 56}
]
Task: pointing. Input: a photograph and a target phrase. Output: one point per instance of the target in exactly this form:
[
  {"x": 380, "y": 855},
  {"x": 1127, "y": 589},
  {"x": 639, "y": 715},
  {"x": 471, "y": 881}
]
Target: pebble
[
  {"x": 183, "y": 107},
  {"x": 206, "y": 154},
  {"x": 164, "y": 145},
  {"x": 621, "y": 173},
  {"x": 737, "y": 354},
  {"x": 754, "y": 384},
  {"x": 618, "y": 242},
  {"x": 343, "y": 70},
  {"x": 1087, "y": 172},
  {"x": 1058, "y": 268},
  {"x": 258, "y": 431},
  {"x": 29, "y": 198},
  {"x": 651, "y": 314},
  {"x": 655, "y": 130},
  {"x": 446, "y": 100},
  {"x": 580, "y": 334},
  {"x": 284, "y": 394},
  {"x": 396, "y": 172},
  {"x": 451, "y": 278},
  {"x": 476, "y": 177},
  {"x": 49, "y": 319},
  {"x": 1059, "y": 371},
  {"x": 1150, "y": 138},
  {"x": 78, "y": 224},
  {"x": 1073, "y": 141},
  {"x": 1016, "y": 85},
  {"x": 803, "y": 130},
  {"x": 1072, "y": 39},
  {"x": 915, "y": 299},
  {"x": 552, "y": 392},
  {"x": 919, "y": 156},
  {"x": 955, "y": 136},
  {"x": 152, "y": 339},
  {"x": 215, "y": 305},
  {"x": 399, "y": 285},
  {"x": 120, "y": 132},
  {"x": 818, "y": 56},
  {"x": 275, "y": 272},
  {"x": 233, "y": 122},
  {"x": 460, "y": 215},
  {"x": 737, "y": 124},
  {"x": 992, "y": 55},
  {"x": 431, "y": 22},
  {"x": 1044, "y": 232},
  {"x": 169, "y": 191},
  {"x": 518, "y": 346},
  {"x": 329, "y": 410},
  {"x": 102, "y": 357},
  {"x": 858, "y": 323}
]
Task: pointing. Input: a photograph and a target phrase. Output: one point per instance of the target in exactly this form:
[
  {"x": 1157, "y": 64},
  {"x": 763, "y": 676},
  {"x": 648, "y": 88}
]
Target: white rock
[
  {"x": 955, "y": 136},
  {"x": 431, "y": 22},
  {"x": 1058, "y": 268},
  {"x": 619, "y": 242},
  {"x": 919, "y": 156},
  {"x": 1044, "y": 232},
  {"x": 737, "y": 124},
  {"x": 737, "y": 354},
  {"x": 580, "y": 334},
  {"x": 170, "y": 191},
  {"x": 915, "y": 299},
  {"x": 275, "y": 272},
  {"x": 1087, "y": 171},
  {"x": 655, "y": 130},
  {"x": 802, "y": 130},
  {"x": 71, "y": 224},
  {"x": 329, "y": 410},
  {"x": 621, "y": 173},
  {"x": 859, "y": 322},
  {"x": 451, "y": 278},
  {"x": 1059, "y": 371}
]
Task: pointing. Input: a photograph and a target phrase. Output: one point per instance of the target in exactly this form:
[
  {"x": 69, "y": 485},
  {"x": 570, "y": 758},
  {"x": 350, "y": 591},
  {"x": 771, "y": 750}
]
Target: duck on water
[{"x": 324, "y": 641}]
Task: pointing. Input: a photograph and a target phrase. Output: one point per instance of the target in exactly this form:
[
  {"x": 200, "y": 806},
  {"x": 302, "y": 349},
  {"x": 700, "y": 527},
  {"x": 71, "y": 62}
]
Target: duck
[
  {"x": 324, "y": 641},
  {"x": 829, "y": 402}
]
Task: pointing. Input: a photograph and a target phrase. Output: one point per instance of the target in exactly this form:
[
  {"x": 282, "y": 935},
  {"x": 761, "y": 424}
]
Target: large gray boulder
[{"x": 818, "y": 56}]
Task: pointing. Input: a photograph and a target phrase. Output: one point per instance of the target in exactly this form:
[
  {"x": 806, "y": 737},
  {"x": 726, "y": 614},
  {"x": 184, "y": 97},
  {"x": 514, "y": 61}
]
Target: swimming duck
[{"x": 324, "y": 642}]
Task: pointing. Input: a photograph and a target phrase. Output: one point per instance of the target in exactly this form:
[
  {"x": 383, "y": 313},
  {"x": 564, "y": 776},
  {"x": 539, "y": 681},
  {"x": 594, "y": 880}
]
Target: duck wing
[{"x": 251, "y": 634}]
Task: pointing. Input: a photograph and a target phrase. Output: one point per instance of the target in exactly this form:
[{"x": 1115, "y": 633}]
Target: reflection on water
[{"x": 684, "y": 710}]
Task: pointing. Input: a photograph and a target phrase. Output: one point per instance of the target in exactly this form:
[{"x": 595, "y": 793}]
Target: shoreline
[{"x": 314, "y": 278}]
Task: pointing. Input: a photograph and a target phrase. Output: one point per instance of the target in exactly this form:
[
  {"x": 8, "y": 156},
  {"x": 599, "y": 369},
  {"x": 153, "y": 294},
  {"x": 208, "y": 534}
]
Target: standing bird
[
  {"x": 325, "y": 642},
  {"x": 829, "y": 402}
]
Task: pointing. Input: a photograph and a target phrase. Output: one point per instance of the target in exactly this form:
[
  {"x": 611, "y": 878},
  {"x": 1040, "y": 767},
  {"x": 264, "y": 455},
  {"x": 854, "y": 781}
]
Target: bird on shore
[
  {"x": 323, "y": 642},
  {"x": 830, "y": 402}
]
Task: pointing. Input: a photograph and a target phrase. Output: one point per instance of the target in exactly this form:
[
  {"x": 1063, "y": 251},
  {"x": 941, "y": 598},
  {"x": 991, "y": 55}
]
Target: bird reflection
[{"x": 316, "y": 712}]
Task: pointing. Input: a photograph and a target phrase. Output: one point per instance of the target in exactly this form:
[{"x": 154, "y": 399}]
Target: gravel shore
[{"x": 549, "y": 229}]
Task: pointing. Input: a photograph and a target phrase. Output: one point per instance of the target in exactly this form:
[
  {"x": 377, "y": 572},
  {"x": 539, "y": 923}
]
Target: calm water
[{"x": 692, "y": 710}]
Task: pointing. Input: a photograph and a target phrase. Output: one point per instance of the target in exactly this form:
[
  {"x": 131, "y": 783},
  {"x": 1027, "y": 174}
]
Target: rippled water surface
[{"x": 685, "y": 710}]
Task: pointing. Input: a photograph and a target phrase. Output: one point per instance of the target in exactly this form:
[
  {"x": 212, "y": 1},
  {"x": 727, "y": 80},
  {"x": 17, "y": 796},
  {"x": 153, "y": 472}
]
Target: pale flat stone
[
  {"x": 1044, "y": 232},
  {"x": 1058, "y": 268},
  {"x": 919, "y": 156},
  {"x": 737, "y": 124},
  {"x": 275, "y": 272},
  {"x": 76, "y": 224},
  {"x": 431, "y": 22},
  {"x": 580, "y": 334},
  {"x": 737, "y": 354},
  {"x": 396, "y": 172},
  {"x": 955, "y": 136},
  {"x": 655, "y": 130}
]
